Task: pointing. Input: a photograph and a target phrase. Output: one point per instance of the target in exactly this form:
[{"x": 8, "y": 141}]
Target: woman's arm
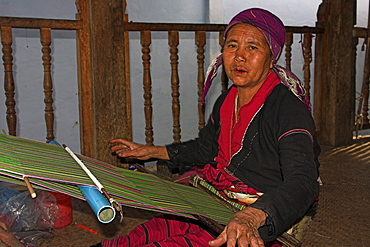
[{"x": 127, "y": 149}]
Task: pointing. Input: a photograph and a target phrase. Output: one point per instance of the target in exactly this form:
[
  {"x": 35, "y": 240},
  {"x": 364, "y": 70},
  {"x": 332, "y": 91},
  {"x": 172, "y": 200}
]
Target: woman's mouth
[{"x": 239, "y": 70}]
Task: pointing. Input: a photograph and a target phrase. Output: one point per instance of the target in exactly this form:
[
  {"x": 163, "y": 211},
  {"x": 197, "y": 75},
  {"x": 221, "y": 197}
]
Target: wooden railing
[
  {"x": 200, "y": 31},
  {"x": 146, "y": 29},
  {"x": 7, "y": 24}
]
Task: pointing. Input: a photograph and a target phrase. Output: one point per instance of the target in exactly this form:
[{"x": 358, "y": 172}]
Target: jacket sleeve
[
  {"x": 298, "y": 157},
  {"x": 290, "y": 201},
  {"x": 201, "y": 150}
]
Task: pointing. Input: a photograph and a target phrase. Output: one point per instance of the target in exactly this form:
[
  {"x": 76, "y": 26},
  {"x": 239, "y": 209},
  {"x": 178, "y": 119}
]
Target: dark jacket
[{"x": 279, "y": 158}]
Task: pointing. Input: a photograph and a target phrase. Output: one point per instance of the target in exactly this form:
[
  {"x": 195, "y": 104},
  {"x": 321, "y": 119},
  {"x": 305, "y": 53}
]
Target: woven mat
[{"x": 343, "y": 217}]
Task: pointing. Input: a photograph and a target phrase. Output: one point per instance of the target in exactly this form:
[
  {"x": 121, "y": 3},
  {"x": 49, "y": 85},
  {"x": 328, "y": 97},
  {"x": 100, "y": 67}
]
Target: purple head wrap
[
  {"x": 270, "y": 25},
  {"x": 273, "y": 30}
]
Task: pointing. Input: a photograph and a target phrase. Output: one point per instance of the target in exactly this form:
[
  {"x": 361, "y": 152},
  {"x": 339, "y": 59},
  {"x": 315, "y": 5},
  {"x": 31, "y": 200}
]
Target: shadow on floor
[{"x": 344, "y": 213}]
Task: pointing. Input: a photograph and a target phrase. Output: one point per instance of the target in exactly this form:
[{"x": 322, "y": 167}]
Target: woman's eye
[{"x": 253, "y": 47}]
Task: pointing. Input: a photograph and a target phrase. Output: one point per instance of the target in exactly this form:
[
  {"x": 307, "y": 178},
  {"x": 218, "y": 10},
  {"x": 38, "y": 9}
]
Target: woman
[{"x": 258, "y": 143}]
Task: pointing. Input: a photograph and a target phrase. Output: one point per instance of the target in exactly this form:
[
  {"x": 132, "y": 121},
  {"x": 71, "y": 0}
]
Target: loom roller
[{"x": 100, "y": 202}]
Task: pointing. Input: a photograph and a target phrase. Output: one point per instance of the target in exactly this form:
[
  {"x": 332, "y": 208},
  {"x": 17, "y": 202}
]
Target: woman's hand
[
  {"x": 7, "y": 238},
  {"x": 131, "y": 150},
  {"x": 242, "y": 229}
]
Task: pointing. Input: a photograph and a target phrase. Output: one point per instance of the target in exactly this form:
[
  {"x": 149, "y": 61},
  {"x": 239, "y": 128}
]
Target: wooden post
[
  {"x": 102, "y": 77},
  {"x": 224, "y": 78},
  {"x": 85, "y": 79},
  {"x": 45, "y": 34},
  {"x": 307, "y": 55},
  {"x": 9, "y": 87},
  {"x": 335, "y": 54},
  {"x": 146, "y": 40},
  {"x": 288, "y": 50},
  {"x": 200, "y": 42},
  {"x": 173, "y": 42}
]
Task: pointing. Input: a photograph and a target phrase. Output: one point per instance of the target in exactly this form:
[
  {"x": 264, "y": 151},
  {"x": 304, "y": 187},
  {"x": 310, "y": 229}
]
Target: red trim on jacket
[{"x": 232, "y": 132}]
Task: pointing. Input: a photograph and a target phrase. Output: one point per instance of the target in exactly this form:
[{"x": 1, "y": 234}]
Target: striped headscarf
[{"x": 273, "y": 30}]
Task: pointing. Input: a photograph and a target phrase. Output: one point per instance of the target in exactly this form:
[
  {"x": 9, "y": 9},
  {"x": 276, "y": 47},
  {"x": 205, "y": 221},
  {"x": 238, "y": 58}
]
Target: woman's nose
[
  {"x": 239, "y": 56},
  {"x": 239, "y": 59}
]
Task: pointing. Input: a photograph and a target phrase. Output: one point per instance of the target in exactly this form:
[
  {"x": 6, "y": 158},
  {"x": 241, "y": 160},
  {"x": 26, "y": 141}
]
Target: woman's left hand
[{"x": 242, "y": 229}]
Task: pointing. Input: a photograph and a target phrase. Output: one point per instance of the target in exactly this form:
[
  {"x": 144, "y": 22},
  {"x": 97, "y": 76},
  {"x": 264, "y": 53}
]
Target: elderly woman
[{"x": 259, "y": 142}]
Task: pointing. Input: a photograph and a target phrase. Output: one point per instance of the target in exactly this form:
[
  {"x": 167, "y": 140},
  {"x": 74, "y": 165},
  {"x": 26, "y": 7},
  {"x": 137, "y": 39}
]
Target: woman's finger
[{"x": 220, "y": 240}]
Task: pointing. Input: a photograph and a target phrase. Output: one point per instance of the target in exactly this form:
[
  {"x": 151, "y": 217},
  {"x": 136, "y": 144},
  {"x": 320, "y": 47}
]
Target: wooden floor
[{"x": 343, "y": 217}]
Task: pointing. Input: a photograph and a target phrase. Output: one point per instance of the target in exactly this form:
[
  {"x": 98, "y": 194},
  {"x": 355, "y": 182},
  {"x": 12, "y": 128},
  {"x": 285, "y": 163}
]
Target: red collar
[{"x": 232, "y": 133}]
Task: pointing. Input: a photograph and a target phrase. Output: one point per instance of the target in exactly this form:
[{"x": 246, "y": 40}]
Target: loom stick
[
  {"x": 29, "y": 187},
  {"x": 93, "y": 178}
]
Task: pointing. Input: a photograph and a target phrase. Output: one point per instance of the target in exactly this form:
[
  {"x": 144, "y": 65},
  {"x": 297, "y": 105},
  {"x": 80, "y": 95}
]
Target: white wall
[{"x": 28, "y": 63}]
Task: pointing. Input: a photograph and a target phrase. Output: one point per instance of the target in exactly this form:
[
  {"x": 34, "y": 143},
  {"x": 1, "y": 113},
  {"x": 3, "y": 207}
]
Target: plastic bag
[
  {"x": 31, "y": 220},
  {"x": 6, "y": 194}
]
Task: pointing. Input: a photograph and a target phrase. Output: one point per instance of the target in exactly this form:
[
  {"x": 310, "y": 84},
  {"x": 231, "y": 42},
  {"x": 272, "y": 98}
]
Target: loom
[
  {"x": 104, "y": 212},
  {"x": 94, "y": 196},
  {"x": 49, "y": 167}
]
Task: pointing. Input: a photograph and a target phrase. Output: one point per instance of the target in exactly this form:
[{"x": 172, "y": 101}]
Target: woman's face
[{"x": 246, "y": 56}]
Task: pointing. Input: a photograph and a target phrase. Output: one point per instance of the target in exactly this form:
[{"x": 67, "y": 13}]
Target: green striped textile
[{"x": 50, "y": 167}]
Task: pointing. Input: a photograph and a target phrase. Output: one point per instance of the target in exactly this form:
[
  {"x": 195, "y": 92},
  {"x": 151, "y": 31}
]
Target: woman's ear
[{"x": 271, "y": 64}]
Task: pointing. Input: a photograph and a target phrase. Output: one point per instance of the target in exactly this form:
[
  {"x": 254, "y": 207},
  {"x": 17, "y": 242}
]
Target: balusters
[
  {"x": 173, "y": 42},
  {"x": 145, "y": 39},
  {"x": 45, "y": 36},
  {"x": 6, "y": 41},
  {"x": 224, "y": 78},
  {"x": 365, "y": 84},
  {"x": 200, "y": 41},
  {"x": 365, "y": 105},
  {"x": 307, "y": 55},
  {"x": 288, "y": 50},
  {"x": 366, "y": 76}
]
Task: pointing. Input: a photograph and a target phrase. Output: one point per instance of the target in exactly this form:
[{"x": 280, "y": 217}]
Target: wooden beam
[
  {"x": 335, "y": 72},
  {"x": 104, "y": 96},
  {"x": 141, "y": 26},
  {"x": 17, "y": 22},
  {"x": 108, "y": 79},
  {"x": 85, "y": 79}
]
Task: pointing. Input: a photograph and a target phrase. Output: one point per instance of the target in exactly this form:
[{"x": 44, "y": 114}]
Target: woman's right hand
[
  {"x": 131, "y": 150},
  {"x": 242, "y": 230},
  {"x": 7, "y": 238}
]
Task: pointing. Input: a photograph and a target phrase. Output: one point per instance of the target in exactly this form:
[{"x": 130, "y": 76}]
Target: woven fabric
[
  {"x": 50, "y": 167},
  {"x": 163, "y": 231}
]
